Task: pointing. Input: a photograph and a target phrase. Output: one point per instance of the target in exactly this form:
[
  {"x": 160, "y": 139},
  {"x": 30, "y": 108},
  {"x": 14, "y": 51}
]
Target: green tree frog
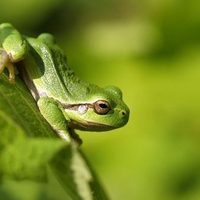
[{"x": 65, "y": 101}]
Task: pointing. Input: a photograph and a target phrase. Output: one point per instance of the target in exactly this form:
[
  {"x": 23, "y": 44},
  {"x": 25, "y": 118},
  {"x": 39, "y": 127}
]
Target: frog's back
[
  {"x": 47, "y": 73},
  {"x": 44, "y": 69}
]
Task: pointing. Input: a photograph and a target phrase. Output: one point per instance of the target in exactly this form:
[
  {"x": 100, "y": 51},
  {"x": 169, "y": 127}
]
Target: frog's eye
[{"x": 101, "y": 107}]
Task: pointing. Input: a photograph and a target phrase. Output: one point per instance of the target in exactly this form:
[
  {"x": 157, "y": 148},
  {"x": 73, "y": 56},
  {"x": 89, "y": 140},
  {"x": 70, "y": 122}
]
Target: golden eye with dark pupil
[{"x": 101, "y": 107}]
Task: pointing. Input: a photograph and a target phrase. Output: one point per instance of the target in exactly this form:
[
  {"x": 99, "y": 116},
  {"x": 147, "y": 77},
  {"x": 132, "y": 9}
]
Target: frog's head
[{"x": 104, "y": 110}]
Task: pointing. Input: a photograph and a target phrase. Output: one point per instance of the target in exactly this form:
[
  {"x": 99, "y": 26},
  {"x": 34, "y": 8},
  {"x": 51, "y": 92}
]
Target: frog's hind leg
[{"x": 5, "y": 62}]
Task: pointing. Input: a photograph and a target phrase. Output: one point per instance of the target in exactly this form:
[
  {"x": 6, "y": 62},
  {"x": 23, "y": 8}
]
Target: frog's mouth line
[{"x": 90, "y": 126}]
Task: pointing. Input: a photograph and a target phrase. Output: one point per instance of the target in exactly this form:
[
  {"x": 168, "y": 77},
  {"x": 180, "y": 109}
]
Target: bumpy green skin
[{"x": 65, "y": 101}]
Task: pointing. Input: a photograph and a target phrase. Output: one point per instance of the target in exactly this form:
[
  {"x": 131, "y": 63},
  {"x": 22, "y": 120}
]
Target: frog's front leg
[{"x": 50, "y": 110}]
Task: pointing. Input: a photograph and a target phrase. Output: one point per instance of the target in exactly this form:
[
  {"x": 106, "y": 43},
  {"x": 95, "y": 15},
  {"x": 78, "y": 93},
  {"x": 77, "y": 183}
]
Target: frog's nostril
[{"x": 123, "y": 113}]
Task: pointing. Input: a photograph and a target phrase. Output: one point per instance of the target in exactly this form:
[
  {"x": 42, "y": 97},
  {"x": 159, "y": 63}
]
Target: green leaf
[{"x": 31, "y": 150}]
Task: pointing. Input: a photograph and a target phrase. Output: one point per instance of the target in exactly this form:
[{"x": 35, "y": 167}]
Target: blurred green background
[{"x": 151, "y": 50}]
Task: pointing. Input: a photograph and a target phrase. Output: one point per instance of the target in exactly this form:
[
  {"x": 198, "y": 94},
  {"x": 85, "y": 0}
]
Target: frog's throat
[{"x": 89, "y": 126}]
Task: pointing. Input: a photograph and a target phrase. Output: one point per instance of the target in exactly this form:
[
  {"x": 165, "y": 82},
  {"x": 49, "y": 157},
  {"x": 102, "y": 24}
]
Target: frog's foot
[
  {"x": 6, "y": 62},
  {"x": 64, "y": 135},
  {"x": 75, "y": 136},
  {"x": 68, "y": 136}
]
